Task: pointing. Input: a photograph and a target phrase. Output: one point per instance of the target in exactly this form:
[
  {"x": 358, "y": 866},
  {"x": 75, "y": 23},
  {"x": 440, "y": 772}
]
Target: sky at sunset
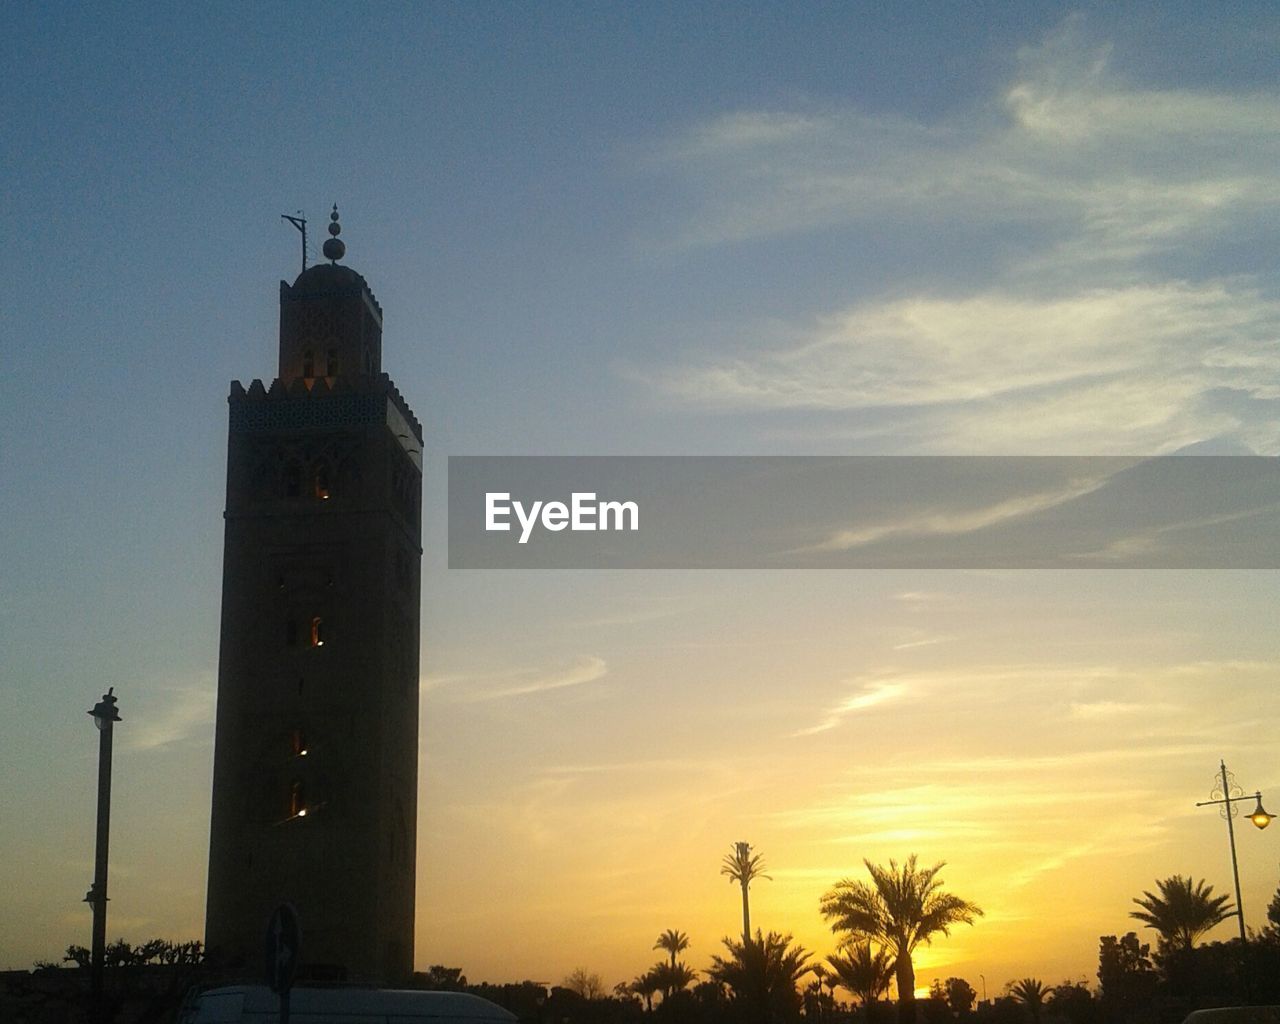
[{"x": 661, "y": 229}]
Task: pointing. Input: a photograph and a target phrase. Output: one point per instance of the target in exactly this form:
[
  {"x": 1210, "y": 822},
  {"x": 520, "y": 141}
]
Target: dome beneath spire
[{"x": 328, "y": 277}]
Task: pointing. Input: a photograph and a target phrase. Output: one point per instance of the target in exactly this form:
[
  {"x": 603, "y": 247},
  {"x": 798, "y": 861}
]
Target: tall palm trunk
[
  {"x": 746, "y": 913},
  {"x": 906, "y": 989}
]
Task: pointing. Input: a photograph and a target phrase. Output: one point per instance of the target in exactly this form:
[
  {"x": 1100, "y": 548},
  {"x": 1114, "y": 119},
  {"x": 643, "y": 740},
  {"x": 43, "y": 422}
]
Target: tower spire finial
[{"x": 334, "y": 249}]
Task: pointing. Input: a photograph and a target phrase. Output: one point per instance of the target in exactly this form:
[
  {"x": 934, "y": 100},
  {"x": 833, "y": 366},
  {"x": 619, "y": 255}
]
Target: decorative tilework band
[{"x": 249, "y": 417}]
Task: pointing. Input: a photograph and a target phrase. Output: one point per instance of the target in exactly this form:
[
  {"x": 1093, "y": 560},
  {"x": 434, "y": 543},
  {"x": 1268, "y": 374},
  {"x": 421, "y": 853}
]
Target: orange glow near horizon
[{"x": 1027, "y": 778}]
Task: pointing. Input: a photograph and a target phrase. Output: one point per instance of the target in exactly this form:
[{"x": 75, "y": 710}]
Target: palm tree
[
  {"x": 646, "y": 986},
  {"x": 743, "y": 866},
  {"x": 674, "y": 942},
  {"x": 762, "y": 974},
  {"x": 819, "y": 972},
  {"x": 863, "y": 970},
  {"x": 671, "y": 978},
  {"x": 900, "y": 909},
  {"x": 1184, "y": 911},
  {"x": 1031, "y": 993}
]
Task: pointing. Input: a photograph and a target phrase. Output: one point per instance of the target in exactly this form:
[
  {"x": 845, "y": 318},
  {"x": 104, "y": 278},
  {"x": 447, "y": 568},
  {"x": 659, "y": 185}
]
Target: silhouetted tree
[
  {"x": 743, "y": 866},
  {"x": 646, "y": 986},
  {"x": 1271, "y": 933},
  {"x": 1184, "y": 911},
  {"x": 934, "y": 1009},
  {"x": 80, "y": 956},
  {"x": 818, "y": 1003},
  {"x": 1126, "y": 975},
  {"x": 863, "y": 971},
  {"x": 132, "y": 983},
  {"x": 623, "y": 991},
  {"x": 903, "y": 907},
  {"x": 153, "y": 951},
  {"x": 762, "y": 975},
  {"x": 525, "y": 999},
  {"x": 1031, "y": 993},
  {"x": 671, "y": 977},
  {"x": 588, "y": 986},
  {"x": 960, "y": 995},
  {"x": 1001, "y": 1010},
  {"x": 438, "y": 978},
  {"x": 1073, "y": 1001},
  {"x": 674, "y": 942},
  {"x": 709, "y": 996}
]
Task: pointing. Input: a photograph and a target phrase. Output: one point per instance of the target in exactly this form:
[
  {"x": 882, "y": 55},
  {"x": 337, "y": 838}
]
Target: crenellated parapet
[{"x": 321, "y": 402}]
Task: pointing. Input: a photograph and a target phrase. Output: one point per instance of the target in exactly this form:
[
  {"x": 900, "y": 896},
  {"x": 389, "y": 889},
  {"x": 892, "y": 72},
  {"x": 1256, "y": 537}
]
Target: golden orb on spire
[{"x": 334, "y": 249}]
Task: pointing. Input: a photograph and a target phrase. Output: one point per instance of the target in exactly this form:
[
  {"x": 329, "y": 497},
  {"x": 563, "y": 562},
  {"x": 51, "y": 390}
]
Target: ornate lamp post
[
  {"x": 1228, "y": 794},
  {"x": 105, "y": 716}
]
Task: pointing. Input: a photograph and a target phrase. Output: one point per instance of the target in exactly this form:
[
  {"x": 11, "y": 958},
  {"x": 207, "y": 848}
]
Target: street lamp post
[
  {"x": 1227, "y": 793},
  {"x": 105, "y": 716}
]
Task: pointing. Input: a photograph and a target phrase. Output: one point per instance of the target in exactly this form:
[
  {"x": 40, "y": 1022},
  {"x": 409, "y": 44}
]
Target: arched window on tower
[
  {"x": 299, "y": 743},
  {"x": 297, "y": 800},
  {"x": 317, "y": 632},
  {"x": 292, "y": 480},
  {"x": 320, "y": 481},
  {"x": 308, "y": 364},
  {"x": 331, "y": 363}
]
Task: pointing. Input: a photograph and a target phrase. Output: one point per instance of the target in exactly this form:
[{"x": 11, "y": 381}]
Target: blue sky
[{"x": 660, "y": 229}]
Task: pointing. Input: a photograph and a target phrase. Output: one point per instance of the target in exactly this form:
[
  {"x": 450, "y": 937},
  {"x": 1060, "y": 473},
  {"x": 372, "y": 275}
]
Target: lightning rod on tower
[{"x": 299, "y": 222}]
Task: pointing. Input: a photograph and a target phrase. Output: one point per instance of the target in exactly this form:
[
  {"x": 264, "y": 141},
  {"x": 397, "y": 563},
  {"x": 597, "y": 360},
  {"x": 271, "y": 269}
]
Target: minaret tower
[{"x": 316, "y": 755}]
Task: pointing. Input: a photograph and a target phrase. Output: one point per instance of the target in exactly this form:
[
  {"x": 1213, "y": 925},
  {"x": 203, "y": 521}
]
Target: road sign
[{"x": 283, "y": 938}]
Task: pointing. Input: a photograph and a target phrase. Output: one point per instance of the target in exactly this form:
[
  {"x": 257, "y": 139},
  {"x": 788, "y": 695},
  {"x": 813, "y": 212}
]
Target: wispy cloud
[
  {"x": 930, "y": 641},
  {"x": 583, "y": 671},
  {"x": 1082, "y": 341},
  {"x": 1107, "y": 709},
  {"x": 1140, "y": 545},
  {"x": 1065, "y": 143},
  {"x": 170, "y": 714},
  {"x": 868, "y": 695},
  {"x": 953, "y": 522},
  {"x": 1086, "y": 693},
  {"x": 636, "y": 617},
  {"x": 921, "y": 599},
  {"x": 679, "y": 765},
  {"x": 929, "y": 351},
  {"x": 1139, "y": 369}
]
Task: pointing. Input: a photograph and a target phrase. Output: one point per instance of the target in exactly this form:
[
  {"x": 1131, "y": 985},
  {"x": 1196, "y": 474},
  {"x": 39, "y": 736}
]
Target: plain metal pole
[{"x": 104, "y": 717}]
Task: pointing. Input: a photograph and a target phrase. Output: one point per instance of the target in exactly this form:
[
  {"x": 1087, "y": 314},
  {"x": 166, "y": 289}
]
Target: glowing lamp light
[
  {"x": 1260, "y": 817},
  {"x": 302, "y": 813}
]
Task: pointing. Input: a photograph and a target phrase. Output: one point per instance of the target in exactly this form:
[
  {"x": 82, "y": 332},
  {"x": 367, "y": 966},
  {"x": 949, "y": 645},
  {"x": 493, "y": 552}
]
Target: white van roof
[
  {"x": 1235, "y": 1015},
  {"x": 257, "y": 1004}
]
